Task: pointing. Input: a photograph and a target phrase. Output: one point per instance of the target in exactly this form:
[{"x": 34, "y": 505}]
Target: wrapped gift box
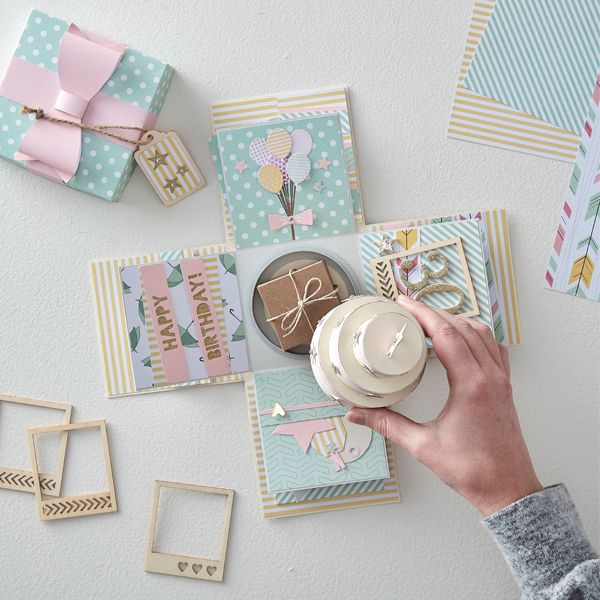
[
  {"x": 132, "y": 90},
  {"x": 296, "y": 301}
]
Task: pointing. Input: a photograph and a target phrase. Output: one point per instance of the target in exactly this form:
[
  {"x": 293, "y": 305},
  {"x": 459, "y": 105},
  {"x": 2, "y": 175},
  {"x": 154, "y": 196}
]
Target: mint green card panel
[
  {"x": 287, "y": 467},
  {"x": 140, "y": 80},
  {"x": 326, "y": 191}
]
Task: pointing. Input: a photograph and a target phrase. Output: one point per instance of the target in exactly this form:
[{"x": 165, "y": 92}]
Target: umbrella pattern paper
[{"x": 573, "y": 268}]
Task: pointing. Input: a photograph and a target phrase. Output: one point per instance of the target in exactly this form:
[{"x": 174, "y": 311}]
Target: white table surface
[{"x": 400, "y": 60}]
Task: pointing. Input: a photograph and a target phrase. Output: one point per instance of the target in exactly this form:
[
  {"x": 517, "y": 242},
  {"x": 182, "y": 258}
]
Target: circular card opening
[{"x": 281, "y": 266}]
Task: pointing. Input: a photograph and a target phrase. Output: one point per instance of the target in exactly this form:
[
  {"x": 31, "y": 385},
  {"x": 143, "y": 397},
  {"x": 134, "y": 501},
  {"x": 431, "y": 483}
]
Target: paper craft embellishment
[
  {"x": 187, "y": 566},
  {"x": 368, "y": 352},
  {"x": 312, "y": 445},
  {"x": 168, "y": 166},
  {"x": 540, "y": 57},
  {"x": 573, "y": 268},
  {"x": 65, "y": 507},
  {"x": 296, "y": 301},
  {"x": 483, "y": 120},
  {"x": 23, "y": 481},
  {"x": 397, "y": 273},
  {"x": 122, "y": 93},
  {"x": 267, "y": 173}
]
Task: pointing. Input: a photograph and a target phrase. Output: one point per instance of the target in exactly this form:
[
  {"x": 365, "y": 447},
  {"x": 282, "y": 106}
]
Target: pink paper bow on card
[
  {"x": 281, "y": 221},
  {"x": 85, "y": 63}
]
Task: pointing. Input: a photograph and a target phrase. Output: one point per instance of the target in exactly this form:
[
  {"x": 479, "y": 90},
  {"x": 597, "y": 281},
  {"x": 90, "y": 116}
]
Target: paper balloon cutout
[
  {"x": 301, "y": 142},
  {"x": 259, "y": 152},
  {"x": 279, "y": 143},
  {"x": 281, "y": 164},
  {"x": 298, "y": 167},
  {"x": 270, "y": 178}
]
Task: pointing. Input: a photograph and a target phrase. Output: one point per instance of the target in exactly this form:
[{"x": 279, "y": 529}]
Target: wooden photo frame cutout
[
  {"x": 182, "y": 565},
  {"x": 81, "y": 505},
  {"x": 385, "y": 280},
  {"x": 24, "y": 481}
]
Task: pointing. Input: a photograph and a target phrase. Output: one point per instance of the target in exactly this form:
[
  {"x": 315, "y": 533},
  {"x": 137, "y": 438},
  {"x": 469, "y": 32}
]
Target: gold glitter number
[{"x": 424, "y": 288}]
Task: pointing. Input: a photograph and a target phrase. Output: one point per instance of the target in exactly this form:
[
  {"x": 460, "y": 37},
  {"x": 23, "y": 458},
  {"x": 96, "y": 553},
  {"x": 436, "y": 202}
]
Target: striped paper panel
[
  {"x": 504, "y": 303},
  {"x": 112, "y": 326},
  {"x": 540, "y": 57},
  {"x": 359, "y": 494},
  {"x": 239, "y": 113},
  {"x": 476, "y": 118}
]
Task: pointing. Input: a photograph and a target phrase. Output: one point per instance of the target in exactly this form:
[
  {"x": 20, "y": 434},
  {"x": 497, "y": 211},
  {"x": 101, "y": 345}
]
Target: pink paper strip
[
  {"x": 206, "y": 320},
  {"x": 165, "y": 325},
  {"x": 268, "y": 411},
  {"x": 303, "y": 431}
]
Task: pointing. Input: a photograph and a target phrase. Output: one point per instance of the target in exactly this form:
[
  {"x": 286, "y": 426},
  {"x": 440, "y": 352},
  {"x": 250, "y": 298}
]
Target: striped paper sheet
[
  {"x": 112, "y": 324},
  {"x": 249, "y": 111},
  {"x": 540, "y": 57},
  {"x": 496, "y": 244},
  {"x": 476, "y": 118},
  {"x": 573, "y": 267},
  {"x": 318, "y": 500}
]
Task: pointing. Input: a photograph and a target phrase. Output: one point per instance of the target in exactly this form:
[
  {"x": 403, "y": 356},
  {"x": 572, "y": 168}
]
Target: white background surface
[{"x": 400, "y": 60}]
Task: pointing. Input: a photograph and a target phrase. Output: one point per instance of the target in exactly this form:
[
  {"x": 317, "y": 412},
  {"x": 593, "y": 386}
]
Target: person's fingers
[
  {"x": 493, "y": 347},
  {"x": 505, "y": 361},
  {"x": 449, "y": 345},
  {"x": 395, "y": 427}
]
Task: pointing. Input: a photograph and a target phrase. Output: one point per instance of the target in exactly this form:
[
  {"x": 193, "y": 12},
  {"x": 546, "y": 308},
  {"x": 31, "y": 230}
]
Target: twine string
[
  {"x": 291, "y": 318},
  {"x": 102, "y": 129}
]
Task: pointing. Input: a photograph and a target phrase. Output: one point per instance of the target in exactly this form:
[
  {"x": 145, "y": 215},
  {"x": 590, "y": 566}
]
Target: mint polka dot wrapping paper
[
  {"x": 138, "y": 82},
  {"x": 314, "y": 192}
]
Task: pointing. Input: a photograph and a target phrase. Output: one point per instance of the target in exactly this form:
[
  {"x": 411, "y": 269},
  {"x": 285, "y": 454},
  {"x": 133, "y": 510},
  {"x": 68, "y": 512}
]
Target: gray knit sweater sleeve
[{"x": 544, "y": 544}]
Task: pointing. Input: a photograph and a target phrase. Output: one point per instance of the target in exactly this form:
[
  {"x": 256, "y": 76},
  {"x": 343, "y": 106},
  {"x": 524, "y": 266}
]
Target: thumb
[{"x": 395, "y": 427}]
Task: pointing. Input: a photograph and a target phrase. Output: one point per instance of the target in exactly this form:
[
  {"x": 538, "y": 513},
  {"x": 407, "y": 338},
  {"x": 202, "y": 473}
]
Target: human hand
[{"x": 475, "y": 445}]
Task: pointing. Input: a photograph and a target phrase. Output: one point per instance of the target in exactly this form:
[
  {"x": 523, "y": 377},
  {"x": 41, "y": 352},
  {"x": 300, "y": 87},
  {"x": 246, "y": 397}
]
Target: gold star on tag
[
  {"x": 158, "y": 159},
  {"x": 182, "y": 170},
  {"x": 278, "y": 410},
  {"x": 171, "y": 184},
  {"x": 385, "y": 245}
]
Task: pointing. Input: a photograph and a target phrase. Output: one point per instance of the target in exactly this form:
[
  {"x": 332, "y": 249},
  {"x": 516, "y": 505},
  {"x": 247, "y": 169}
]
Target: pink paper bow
[
  {"x": 85, "y": 62},
  {"x": 281, "y": 221}
]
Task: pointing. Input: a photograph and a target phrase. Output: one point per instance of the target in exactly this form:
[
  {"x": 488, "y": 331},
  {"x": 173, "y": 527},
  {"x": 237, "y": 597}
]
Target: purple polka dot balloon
[
  {"x": 259, "y": 152},
  {"x": 281, "y": 164}
]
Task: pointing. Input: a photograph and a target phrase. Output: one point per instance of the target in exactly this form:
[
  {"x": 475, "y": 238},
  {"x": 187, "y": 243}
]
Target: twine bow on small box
[{"x": 291, "y": 318}]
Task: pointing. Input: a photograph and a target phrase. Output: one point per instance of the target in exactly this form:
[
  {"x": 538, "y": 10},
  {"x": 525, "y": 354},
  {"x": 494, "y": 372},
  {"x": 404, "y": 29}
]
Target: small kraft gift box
[
  {"x": 62, "y": 72},
  {"x": 296, "y": 301}
]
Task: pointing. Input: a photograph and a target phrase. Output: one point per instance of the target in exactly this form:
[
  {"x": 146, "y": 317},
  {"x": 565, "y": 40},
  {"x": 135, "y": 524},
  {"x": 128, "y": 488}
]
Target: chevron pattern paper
[
  {"x": 321, "y": 499},
  {"x": 540, "y": 57},
  {"x": 498, "y": 260},
  {"x": 250, "y": 111},
  {"x": 573, "y": 267},
  {"x": 287, "y": 467},
  {"x": 114, "y": 335},
  {"x": 477, "y": 118}
]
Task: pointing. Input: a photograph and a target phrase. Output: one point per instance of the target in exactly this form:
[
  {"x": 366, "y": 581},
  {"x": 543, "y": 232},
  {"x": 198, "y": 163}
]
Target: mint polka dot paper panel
[
  {"x": 105, "y": 165},
  {"x": 322, "y": 202}
]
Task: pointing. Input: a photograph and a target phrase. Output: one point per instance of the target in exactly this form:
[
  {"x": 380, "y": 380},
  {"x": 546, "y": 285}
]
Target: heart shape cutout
[
  {"x": 197, "y": 568},
  {"x": 182, "y": 566},
  {"x": 211, "y": 570}
]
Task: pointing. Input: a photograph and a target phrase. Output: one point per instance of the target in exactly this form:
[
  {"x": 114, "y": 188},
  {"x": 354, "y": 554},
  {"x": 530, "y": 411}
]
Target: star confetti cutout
[
  {"x": 182, "y": 169},
  {"x": 319, "y": 186},
  {"x": 240, "y": 166},
  {"x": 158, "y": 159},
  {"x": 171, "y": 184},
  {"x": 324, "y": 163},
  {"x": 385, "y": 245}
]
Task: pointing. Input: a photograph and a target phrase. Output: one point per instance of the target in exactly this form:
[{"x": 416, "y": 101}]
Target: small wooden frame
[
  {"x": 181, "y": 565},
  {"x": 65, "y": 507},
  {"x": 23, "y": 481},
  {"x": 385, "y": 281}
]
